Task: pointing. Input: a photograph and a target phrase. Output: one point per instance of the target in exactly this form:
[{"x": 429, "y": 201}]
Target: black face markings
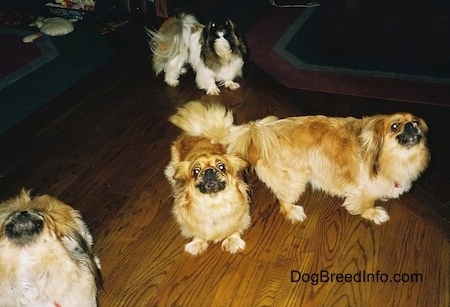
[
  {"x": 409, "y": 133},
  {"x": 210, "y": 177},
  {"x": 23, "y": 227}
]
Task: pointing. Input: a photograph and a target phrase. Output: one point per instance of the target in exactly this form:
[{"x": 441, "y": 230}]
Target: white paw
[
  {"x": 196, "y": 246},
  {"x": 377, "y": 214},
  {"x": 233, "y": 244},
  {"x": 213, "y": 90},
  {"x": 172, "y": 82},
  {"x": 232, "y": 85},
  {"x": 295, "y": 214}
]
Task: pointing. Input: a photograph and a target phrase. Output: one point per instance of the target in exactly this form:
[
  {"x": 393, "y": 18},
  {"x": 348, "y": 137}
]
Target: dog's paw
[
  {"x": 172, "y": 82},
  {"x": 377, "y": 215},
  {"x": 233, "y": 244},
  {"x": 196, "y": 246},
  {"x": 232, "y": 85},
  {"x": 213, "y": 90},
  {"x": 293, "y": 213}
]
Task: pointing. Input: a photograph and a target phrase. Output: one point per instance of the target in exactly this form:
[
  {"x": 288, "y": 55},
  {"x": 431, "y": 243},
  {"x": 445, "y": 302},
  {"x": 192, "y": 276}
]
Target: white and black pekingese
[{"x": 215, "y": 52}]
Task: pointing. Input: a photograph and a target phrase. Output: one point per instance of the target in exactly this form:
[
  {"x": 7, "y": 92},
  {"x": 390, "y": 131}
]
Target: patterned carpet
[
  {"x": 284, "y": 43},
  {"x": 32, "y": 74}
]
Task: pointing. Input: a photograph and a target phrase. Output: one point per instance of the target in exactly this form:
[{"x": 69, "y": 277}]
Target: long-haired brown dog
[
  {"x": 361, "y": 160},
  {"x": 211, "y": 202},
  {"x": 45, "y": 254}
]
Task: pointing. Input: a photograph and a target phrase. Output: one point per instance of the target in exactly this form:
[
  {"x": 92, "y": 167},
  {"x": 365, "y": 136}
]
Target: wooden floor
[{"x": 102, "y": 146}]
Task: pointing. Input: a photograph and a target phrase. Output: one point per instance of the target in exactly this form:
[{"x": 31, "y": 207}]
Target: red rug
[{"x": 265, "y": 35}]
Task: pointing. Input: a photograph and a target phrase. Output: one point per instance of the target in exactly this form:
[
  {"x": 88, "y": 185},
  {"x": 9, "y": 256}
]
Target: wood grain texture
[{"x": 104, "y": 152}]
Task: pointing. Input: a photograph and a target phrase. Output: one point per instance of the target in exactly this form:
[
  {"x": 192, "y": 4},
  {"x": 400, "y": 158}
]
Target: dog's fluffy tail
[
  {"x": 213, "y": 121},
  {"x": 171, "y": 39},
  {"x": 255, "y": 140}
]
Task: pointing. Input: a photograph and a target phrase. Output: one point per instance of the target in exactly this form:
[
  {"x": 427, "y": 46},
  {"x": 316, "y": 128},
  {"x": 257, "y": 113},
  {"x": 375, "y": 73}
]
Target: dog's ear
[
  {"x": 68, "y": 226},
  {"x": 207, "y": 40},
  {"x": 236, "y": 163},
  {"x": 372, "y": 140},
  {"x": 181, "y": 171},
  {"x": 236, "y": 39},
  {"x": 79, "y": 250},
  {"x": 422, "y": 125}
]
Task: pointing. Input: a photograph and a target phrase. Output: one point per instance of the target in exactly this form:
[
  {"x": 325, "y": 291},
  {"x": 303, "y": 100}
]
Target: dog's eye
[
  {"x": 213, "y": 24},
  {"x": 196, "y": 171},
  {"x": 395, "y": 126},
  {"x": 221, "y": 166}
]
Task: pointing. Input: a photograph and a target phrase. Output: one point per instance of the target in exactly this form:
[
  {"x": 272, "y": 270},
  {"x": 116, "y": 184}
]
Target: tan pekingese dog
[
  {"x": 361, "y": 160},
  {"x": 215, "y": 52},
  {"x": 45, "y": 254},
  {"x": 211, "y": 202}
]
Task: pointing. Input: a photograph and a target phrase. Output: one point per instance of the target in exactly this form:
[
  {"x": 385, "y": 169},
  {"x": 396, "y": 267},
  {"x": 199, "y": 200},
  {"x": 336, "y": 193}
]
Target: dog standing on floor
[
  {"x": 361, "y": 160},
  {"x": 45, "y": 254},
  {"x": 211, "y": 202},
  {"x": 215, "y": 52}
]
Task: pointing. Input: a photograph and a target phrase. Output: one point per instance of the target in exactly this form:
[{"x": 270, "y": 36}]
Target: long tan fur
[
  {"x": 52, "y": 262},
  {"x": 361, "y": 160},
  {"x": 221, "y": 214}
]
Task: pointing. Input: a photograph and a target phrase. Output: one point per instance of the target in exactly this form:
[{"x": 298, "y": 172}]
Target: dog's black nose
[
  {"x": 211, "y": 181},
  {"x": 209, "y": 174},
  {"x": 23, "y": 226},
  {"x": 23, "y": 215},
  {"x": 410, "y": 135},
  {"x": 410, "y": 127}
]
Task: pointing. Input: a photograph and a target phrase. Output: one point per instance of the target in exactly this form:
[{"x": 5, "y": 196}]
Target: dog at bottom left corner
[
  {"x": 46, "y": 256},
  {"x": 211, "y": 198}
]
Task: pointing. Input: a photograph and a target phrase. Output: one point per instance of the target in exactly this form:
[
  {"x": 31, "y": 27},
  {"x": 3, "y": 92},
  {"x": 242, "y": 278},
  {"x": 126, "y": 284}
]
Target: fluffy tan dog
[
  {"x": 210, "y": 197},
  {"x": 45, "y": 254},
  {"x": 361, "y": 160}
]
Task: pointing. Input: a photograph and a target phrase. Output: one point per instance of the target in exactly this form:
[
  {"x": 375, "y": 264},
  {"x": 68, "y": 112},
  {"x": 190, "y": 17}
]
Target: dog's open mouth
[
  {"x": 210, "y": 182},
  {"x": 23, "y": 227},
  {"x": 411, "y": 136}
]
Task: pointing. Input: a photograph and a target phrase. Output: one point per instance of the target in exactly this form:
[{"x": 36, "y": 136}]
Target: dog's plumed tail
[
  {"x": 171, "y": 40},
  {"x": 253, "y": 141},
  {"x": 213, "y": 121},
  {"x": 256, "y": 140}
]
